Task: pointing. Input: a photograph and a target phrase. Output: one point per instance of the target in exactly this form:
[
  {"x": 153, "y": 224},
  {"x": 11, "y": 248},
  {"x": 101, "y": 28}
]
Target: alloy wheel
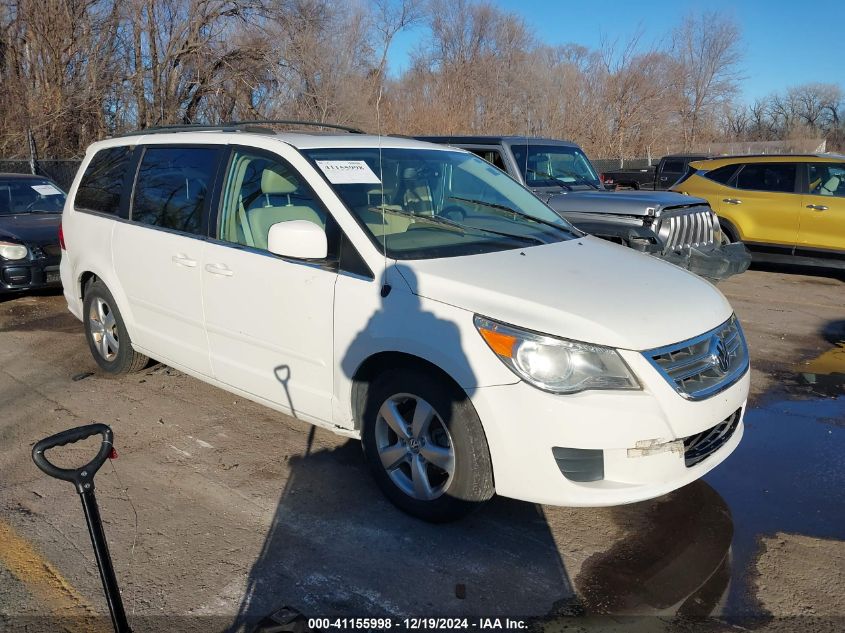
[
  {"x": 103, "y": 327},
  {"x": 414, "y": 446}
]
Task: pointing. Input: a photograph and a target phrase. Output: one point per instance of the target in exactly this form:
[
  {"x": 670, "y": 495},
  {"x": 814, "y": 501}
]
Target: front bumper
[
  {"x": 638, "y": 434},
  {"x": 29, "y": 274},
  {"x": 715, "y": 264}
]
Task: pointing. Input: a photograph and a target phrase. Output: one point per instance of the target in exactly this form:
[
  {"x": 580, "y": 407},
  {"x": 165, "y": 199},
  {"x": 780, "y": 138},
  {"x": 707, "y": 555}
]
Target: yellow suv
[{"x": 785, "y": 208}]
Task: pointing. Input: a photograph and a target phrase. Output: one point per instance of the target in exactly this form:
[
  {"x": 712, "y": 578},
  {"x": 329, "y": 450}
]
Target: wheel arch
[
  {"x": 88, "y": 277},
  {"x": 730, "y": 229},
  {"x": 380, "y": 362}
]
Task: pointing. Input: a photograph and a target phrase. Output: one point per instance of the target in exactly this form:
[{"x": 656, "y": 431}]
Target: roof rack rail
[
  {"x": 256, "y": 127},
  {"x": 332, "y": 126}
]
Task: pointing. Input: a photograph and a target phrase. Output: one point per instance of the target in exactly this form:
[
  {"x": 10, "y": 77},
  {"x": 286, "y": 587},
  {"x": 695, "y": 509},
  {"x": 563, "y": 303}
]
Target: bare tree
[
  {"x": 706, "y": 48},
  {"x": 73, "y": 71}
]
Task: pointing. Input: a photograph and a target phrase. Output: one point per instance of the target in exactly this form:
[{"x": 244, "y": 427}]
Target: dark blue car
[{"x": 30, "y": 218}]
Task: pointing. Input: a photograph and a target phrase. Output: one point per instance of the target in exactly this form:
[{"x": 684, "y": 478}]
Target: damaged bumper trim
[{"x": 716, "y": 264}]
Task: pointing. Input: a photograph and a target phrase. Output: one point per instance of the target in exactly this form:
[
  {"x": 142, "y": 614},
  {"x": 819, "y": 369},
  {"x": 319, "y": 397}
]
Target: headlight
[
  {"x": 9, "y": 250},
  {"x": 554, "y": 364}
]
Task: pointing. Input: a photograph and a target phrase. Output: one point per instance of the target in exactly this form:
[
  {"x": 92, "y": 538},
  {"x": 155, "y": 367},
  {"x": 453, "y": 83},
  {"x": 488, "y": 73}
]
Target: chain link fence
[{"x": 61, "y": 171}]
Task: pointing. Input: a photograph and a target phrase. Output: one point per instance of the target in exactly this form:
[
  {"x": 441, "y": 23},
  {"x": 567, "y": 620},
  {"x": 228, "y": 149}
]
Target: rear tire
[
  {"x": 426, "y": 446},
  {"x": 728, "y": 236},
  {"x": 106, "y": 333}
]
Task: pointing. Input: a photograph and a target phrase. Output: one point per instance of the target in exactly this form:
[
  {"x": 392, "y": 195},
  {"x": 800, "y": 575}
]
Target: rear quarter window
[
  {"x": 722, "y": 175},
  {"x": 102, "y": 183},
  {"x": 173, "y": 188}
]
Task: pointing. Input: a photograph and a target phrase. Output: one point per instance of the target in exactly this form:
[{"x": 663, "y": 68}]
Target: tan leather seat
[
  {"x": 830, "y": 187},
  {"x": 295, "y": 207},
  {"x": 413, "y": 193}
]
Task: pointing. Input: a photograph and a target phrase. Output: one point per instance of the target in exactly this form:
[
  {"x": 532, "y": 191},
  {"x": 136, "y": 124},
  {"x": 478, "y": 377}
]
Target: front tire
[
  {"x": 425, "y": 445},
  {"x": 106, "y": 333}
]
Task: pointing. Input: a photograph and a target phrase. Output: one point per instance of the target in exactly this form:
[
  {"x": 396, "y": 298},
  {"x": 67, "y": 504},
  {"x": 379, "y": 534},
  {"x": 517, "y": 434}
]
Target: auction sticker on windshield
[
  {"x": 46, "y": 190},
  {"x": 348, "y": 172}
]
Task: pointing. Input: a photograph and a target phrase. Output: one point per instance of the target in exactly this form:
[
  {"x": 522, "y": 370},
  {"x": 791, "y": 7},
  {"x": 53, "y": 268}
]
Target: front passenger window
[
  {"x": 261, "y": 192},
  {"x": 827, "y": 179}
]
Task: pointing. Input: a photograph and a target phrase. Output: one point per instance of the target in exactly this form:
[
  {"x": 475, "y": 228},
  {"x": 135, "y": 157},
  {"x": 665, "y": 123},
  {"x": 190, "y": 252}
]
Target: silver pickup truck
[{"x": 678, "y": 228}]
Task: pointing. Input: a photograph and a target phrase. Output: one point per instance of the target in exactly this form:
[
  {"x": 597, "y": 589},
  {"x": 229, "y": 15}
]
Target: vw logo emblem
[{"x": 719, "y": 356}]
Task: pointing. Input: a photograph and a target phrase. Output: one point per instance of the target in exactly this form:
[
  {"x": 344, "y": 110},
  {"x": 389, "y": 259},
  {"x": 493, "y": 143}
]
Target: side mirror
[{"x": 298, "y": 238}]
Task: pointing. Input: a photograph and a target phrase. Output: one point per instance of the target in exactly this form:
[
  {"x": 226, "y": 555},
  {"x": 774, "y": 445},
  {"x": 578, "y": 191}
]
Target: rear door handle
[
  {"x": 817, "y": 207},
  {"x": 219, "y": 269},
  {"x": 184, "y": 260},
  {"x": 732, "y": 201}
]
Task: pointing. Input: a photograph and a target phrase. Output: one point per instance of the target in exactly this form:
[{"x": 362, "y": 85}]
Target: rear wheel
[
  {"x": 425, "y": 445},
  {"x": 728, "y": 236},
  {"x": 106, "y": 333}
]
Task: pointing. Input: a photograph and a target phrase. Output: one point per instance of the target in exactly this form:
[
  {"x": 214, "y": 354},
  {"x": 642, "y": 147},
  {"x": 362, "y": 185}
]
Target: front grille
[
  {"x": 684, "y": 228},
  {"x": 52, "y": 250},
  {"x": 700, "y": 446},
  {"x": 705, "y": 365}
]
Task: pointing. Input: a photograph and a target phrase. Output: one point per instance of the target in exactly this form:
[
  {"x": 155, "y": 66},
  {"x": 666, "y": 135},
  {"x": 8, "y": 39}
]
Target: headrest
[
  {"x": 831, "y": 186},
  {"x": 273, "y": 182}
]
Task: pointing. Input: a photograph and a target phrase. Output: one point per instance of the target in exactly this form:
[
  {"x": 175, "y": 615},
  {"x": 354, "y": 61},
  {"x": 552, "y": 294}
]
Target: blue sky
[{"x": 785, "y": 43}]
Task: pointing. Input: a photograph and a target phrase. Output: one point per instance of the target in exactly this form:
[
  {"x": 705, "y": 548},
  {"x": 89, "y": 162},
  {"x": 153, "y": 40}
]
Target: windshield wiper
[
  {"x": 437, "y": 219},
  {"x": 581, "y": 180},
  {"x": 550, "y": 177},
  {"x": 520, "y": 214}
]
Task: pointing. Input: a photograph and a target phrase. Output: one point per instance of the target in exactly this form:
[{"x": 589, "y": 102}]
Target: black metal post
[{"x": 101, "y": 551}]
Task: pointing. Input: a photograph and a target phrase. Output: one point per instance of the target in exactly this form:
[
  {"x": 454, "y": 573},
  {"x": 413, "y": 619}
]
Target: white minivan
[{"x": 410, "y": 295}]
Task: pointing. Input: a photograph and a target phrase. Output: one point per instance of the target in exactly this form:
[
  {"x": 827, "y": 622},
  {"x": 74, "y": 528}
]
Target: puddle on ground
[
  {"x": 678, "y": 565},
  {"x": 787, "y": 475},
  {"x": 825, "y": 375},
  {"x": 694, "y": 551}
]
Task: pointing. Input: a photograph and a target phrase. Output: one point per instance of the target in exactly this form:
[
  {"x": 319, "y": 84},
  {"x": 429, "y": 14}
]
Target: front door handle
[
  {"x": 732, "y": 201},
  {"x": 817, "y": 207},
  {"x": 219, "y": 269},
  {"x": 183, "y": 260}
]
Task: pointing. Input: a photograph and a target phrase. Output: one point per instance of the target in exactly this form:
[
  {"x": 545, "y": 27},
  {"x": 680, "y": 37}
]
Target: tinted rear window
[
  {"x": 722, "y": 174},
  {"x": 777, "y": 177},
  {"x": 102, "y": 184},
  {"x": 173, "y": 186}
]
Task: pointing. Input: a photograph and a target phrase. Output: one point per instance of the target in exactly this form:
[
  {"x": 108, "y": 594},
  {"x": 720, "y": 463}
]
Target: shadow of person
[
  {"x": 337, "y": 547},
  {"x": 421, "y": 434}
]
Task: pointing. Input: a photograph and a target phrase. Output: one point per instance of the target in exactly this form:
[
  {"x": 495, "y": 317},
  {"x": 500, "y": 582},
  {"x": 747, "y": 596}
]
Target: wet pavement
[{"x": 786, "y": 476}]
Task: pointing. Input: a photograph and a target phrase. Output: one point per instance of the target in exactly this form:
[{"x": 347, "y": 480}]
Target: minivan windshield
[
  {"x": 554, "y": 166},
  {"x": 430, "y": 203}
]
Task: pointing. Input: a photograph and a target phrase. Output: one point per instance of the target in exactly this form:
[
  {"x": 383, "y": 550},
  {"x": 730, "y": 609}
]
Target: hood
[
  {"x": 585, "y": 289},
  {"x": 32, "y": 228},
  {"x": 639, "y": 203}
]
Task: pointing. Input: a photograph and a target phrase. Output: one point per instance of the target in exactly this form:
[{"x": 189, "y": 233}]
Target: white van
[{"x": 411, "y": 295}]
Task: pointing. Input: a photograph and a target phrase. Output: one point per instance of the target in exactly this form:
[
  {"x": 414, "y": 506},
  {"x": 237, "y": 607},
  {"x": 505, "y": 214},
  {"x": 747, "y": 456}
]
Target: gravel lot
[{"x": 241, "y": 511}]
